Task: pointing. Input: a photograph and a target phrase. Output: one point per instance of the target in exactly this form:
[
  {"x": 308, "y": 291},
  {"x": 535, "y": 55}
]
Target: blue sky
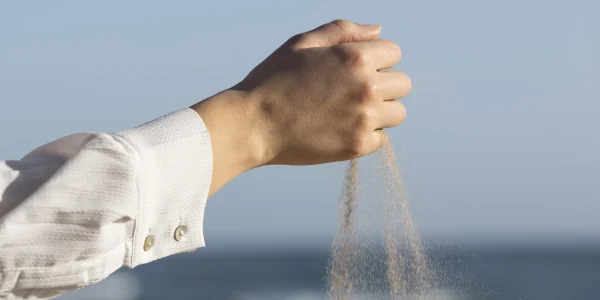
[{"x": 501, "y": 139}]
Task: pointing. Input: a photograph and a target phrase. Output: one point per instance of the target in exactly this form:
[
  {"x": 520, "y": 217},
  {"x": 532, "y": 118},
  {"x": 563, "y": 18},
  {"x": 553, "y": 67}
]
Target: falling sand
[{"x": 407, "y": 271}]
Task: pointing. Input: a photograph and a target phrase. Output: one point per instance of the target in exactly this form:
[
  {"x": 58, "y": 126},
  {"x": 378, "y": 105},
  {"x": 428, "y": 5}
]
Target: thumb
[{"x": 338, "y": 32}]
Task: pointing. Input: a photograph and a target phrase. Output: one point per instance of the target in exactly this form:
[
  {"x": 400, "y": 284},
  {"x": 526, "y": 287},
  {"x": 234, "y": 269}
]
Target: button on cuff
[
  {"x": 149, "y": 243},
  {"x": 180, "y": 233}
]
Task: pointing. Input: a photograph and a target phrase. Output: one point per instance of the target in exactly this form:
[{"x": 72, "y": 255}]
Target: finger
[
  {"x": 390, "y": 114},
  {"x": 392, "y": 84},
  {"x": 338, "y": 32},
  {"x": 380, "y": 54},
  {"x": 376, "y": 140}
]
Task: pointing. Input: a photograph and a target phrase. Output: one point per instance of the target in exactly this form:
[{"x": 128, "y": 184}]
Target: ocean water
[{"x": 542, "y": 273}]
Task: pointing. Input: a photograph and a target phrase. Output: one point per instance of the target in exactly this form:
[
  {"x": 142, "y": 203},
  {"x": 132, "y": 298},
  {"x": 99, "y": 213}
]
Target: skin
[{"x": 323, "y": 96}]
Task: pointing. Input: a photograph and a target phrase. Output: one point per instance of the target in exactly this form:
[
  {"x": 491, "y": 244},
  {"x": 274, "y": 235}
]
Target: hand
[{"x": 323, "y": 96}]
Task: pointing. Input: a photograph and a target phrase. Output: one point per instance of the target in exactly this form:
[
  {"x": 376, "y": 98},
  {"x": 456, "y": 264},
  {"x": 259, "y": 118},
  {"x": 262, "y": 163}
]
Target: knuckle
[
  {"x": 344, "y": 52},
  {"x": 298, "y": 39},
  {"x": 342, "y": 24},
  {"x": 350, "y": 55},
  {"x": 360, "y": 142},
  {"x": 367, "y": 91},
  {"x": 364, "y": 121},
  {"x": 359, "y": 59},
  {"x": 358, "y": 146}
]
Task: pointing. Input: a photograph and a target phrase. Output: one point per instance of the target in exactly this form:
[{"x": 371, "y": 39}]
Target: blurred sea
[{"x": 491, "y": 274}]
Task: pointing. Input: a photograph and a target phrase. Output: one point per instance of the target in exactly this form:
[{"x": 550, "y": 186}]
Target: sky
[{"x": 500, "y": 143}]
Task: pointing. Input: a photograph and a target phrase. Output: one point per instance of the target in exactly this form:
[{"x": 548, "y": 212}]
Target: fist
[{"x": 325, "y": 95}]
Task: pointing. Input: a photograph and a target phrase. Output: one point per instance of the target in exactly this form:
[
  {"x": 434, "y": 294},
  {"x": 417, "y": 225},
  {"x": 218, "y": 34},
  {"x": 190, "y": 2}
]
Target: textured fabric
[{"x": 77, "y": 209}]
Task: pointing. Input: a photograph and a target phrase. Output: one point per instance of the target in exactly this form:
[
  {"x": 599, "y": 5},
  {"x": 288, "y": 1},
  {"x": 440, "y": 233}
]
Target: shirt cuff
[{"x": 175, "y": 162}]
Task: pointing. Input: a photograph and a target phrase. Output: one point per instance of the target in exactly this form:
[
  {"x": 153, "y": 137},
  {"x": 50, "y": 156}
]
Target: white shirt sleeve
[{"x": 77, "y": 209}]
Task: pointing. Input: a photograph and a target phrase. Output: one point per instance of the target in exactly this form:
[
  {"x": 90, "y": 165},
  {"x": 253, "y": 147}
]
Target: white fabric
[{"x": 77, "y": 209}]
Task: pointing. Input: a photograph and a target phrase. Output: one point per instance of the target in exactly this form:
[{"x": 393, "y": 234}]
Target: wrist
[{"x": 237, "y": 136}]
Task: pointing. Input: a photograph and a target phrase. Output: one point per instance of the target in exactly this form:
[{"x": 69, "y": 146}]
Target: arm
[{"x": 77, "y": 209}]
